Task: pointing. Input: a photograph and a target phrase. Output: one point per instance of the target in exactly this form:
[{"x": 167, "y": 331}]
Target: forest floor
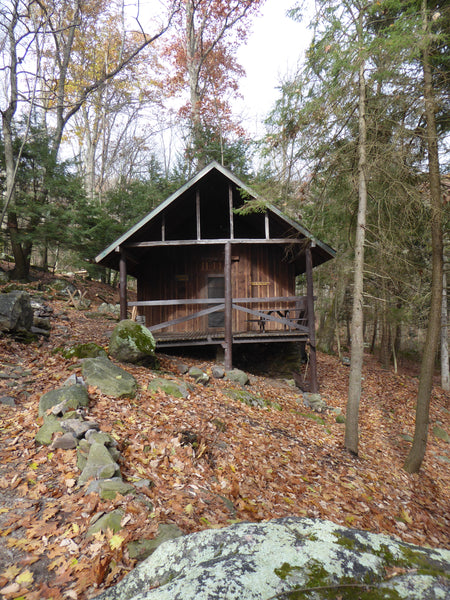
[{"x": 251, "y": 463}]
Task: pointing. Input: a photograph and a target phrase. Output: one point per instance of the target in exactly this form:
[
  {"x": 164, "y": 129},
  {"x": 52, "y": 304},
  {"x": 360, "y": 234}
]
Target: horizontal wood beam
[
  {"x": 200, "y": 313},
  {"x": 299, "y": 300},
  {"x": 203, "y": 242}
]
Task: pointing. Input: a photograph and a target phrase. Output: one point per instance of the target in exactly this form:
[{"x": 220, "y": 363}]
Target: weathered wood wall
[{"x": 258, "y": 271}]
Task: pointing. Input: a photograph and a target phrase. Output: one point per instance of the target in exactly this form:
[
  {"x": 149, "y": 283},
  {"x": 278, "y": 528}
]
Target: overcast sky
[{"x": 274, "y": 48}]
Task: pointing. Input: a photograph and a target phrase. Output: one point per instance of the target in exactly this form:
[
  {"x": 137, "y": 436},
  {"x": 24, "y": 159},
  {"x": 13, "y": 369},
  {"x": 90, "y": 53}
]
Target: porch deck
[{"x": 217, "y": 338}]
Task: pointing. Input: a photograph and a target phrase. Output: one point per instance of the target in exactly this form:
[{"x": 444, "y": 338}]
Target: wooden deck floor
[{"x": 203, "y": 338}]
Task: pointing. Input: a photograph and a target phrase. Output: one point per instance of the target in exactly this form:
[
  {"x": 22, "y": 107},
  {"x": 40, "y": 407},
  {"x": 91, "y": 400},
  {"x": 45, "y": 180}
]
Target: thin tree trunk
[
  {"x": 415, "y": 457},
  {"x": 445, "y": 376},
  {"x": 357, "y": 341}
]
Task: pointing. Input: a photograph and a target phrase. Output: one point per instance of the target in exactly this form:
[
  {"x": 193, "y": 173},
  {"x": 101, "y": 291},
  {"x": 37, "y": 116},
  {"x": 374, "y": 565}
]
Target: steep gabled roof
[{"x": 109, "y": 256}]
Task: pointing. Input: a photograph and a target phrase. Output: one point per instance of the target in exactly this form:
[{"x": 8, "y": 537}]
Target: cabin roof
[{"x": 175, "y": 208}]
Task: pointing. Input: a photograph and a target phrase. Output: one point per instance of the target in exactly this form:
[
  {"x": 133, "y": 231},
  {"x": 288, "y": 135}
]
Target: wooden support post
[
  {"x": 228, "y": 309},
  {"x": 230, "y": 210},
  {"x": 197, "y": 215},
  {"x": 123, "y": 286},
  {"x": 311, "y": 322}
]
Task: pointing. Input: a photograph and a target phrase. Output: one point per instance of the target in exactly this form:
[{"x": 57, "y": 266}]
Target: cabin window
[{"x": 216, "y": 289}]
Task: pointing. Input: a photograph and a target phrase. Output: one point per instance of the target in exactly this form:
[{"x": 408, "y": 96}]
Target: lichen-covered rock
[
  {"x": 237, "y": 376},
  {"x": 99, "y": 465},
  {"x": 68, "y": 397},
  {"x": 131, "y": 342},
  {"x": 178, "y": 389},
  {"x": 256, "y": 561},
  {"x": 109, "y": 378}
]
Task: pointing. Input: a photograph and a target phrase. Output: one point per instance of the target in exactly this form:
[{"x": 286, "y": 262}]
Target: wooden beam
[
  {"x": 299, "y": 300},
  {"x": 266, "y": 225},
  {"x": 123, "y": 286},
  {"x": 230, "y": 210},
  {"x": 200, "y": 313},
  {"x": 212, "y": 242},
  {"x": 228, "y": 309},
  {"x": 163, "y": 228},
  {"x": 311, "y": 322},
  {"x": 197, "y": 214}
]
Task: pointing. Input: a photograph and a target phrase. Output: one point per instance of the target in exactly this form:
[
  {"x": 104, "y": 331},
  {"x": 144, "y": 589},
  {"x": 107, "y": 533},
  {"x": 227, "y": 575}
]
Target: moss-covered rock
[
  {"x": 173, "y": 387},
  {"x": 246, "y": 397},
  {"x": 132, "y": 342},
  {"x": 89, "y": 350},
  {"x": 109, "y": 378},
  {"x": 45, "y": 433},
  {"x": 69, "y": 397},
  {"x": 99, "y": 465},
  {"x": 237, "y": 376},
  {"x": 110, "y": 521}
]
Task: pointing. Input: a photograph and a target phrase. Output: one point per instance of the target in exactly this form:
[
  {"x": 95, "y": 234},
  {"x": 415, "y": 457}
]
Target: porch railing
[{"x": 293, "y": 317}]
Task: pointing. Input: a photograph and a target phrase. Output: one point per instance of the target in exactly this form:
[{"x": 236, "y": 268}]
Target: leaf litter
[{"x": 205, "y": 461}]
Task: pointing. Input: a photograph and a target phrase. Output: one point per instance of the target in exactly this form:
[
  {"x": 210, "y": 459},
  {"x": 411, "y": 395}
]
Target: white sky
[{"x": 274, "y": 48}]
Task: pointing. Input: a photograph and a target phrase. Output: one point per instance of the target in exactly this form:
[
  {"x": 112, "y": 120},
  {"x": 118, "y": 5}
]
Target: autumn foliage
[{"x": 212, "y": 461}]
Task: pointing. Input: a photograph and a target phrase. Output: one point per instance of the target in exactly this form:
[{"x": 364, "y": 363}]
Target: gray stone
[
  {"x": 7, "y": 401},
  {"x": 237, "y": 376},
  {"x": 142, "y": 549},
  {"x": 182, "y": 368},
  {"x": 45, "y": 433},
  {"x": 77, "y": 427},
  {"x": 178, "y": 389},
  {"x": 131, "y": 342},
  {"x": 257, "y": 561},
  {"x": 198, "y": 375},
  {"x": 68, "y": 397},
  {"x": 218, "y": 372},
  {"x": 108, "y": 489},
  {"x": 82, "y": 454},
  {"x": 74, "y": 379},
  {"x": 16, "y": 314},
  {"x": 100, "y": 437},
  {"x": 67, "y": 441},
  {"x": 441, "y": 434},
  {"x": 113, "y": 309},
  {"x": 315, "y": 402},
  {"x": 109, "y": 521},
  {"x": 109, "y": 378},
  {"x": 246, "y": 397},
  {"x": 99, "y": 465}
]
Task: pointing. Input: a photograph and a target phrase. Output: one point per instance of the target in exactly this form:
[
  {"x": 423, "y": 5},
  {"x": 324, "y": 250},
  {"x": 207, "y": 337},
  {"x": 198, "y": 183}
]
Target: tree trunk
[
  {"x": 445, "y": 376},
  {"x": 415, "y": 457},
  {"x": 357, "y": 341}
]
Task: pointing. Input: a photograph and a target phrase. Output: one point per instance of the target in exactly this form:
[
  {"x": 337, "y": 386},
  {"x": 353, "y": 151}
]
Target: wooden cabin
[{"x": 207, "y": 274}]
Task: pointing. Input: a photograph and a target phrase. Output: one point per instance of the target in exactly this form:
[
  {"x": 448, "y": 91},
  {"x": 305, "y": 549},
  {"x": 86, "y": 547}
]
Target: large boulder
[
  {"x": 109, "y": 378},
  {"x": 256, "y": 561},
  {"x": 131, "y": 342},
  {"x": 16, "y": 314}
]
